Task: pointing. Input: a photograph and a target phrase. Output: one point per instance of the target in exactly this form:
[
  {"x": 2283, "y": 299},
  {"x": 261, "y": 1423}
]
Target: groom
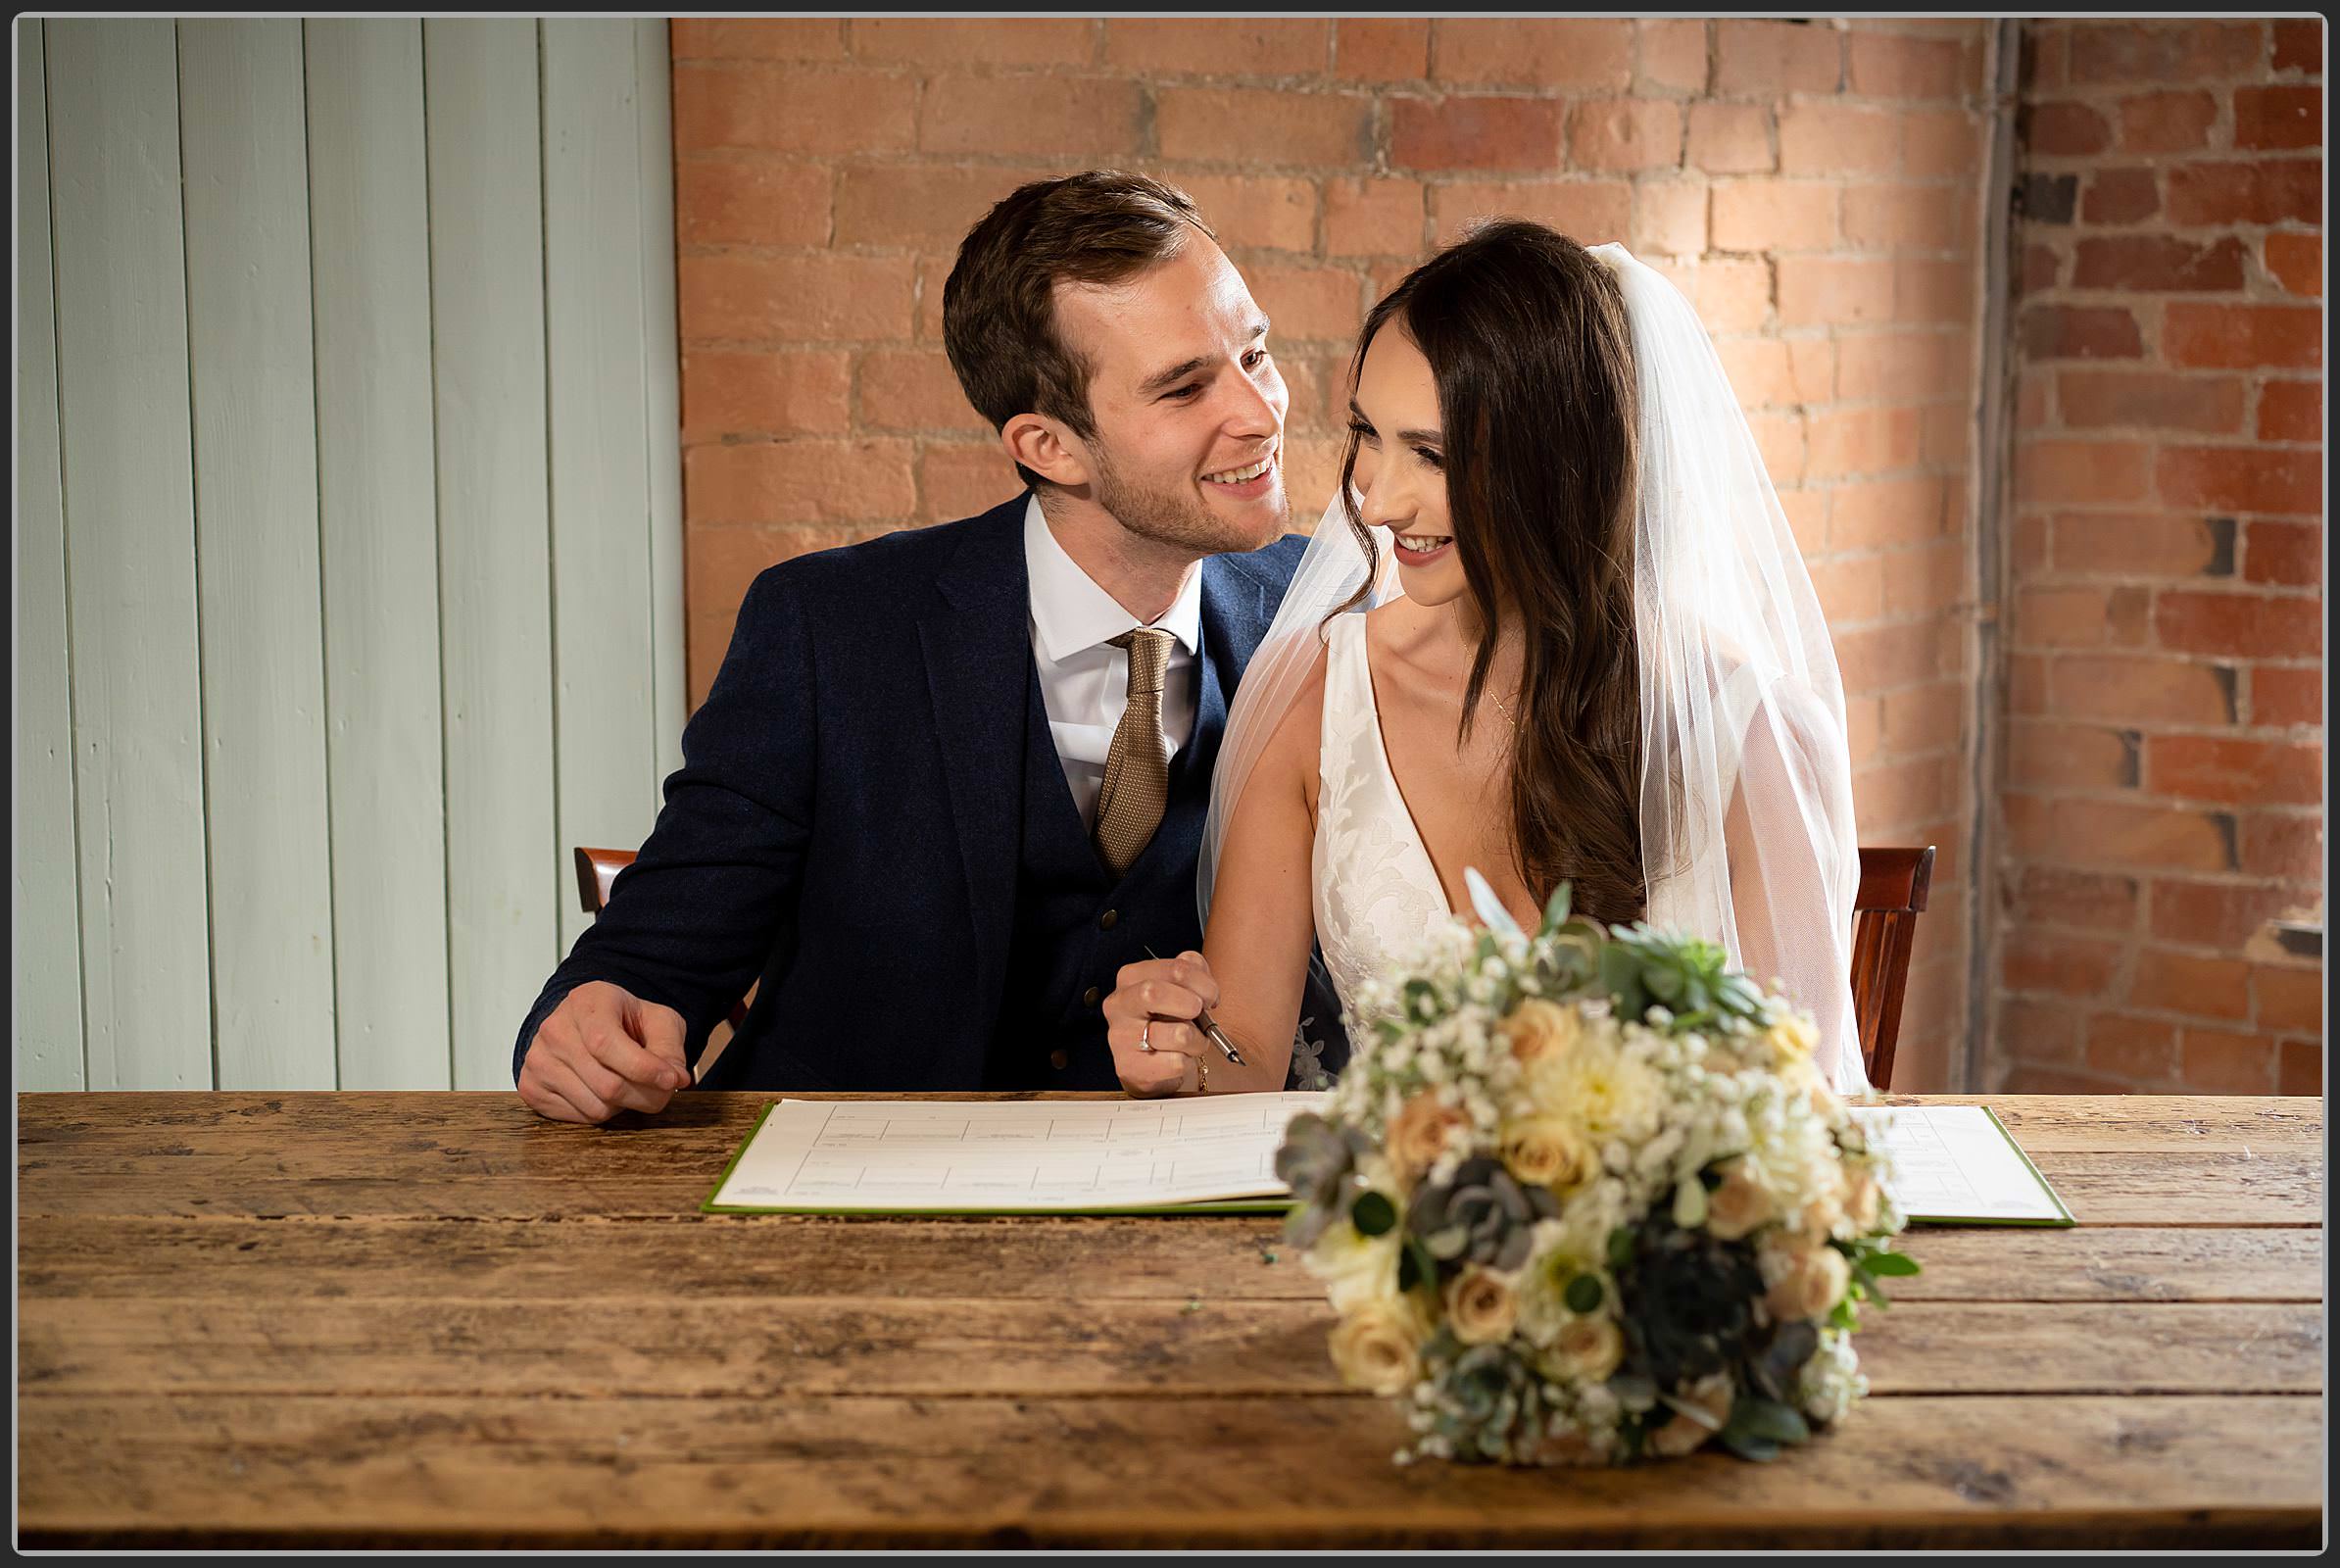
[{"x": 950, "y": 781}]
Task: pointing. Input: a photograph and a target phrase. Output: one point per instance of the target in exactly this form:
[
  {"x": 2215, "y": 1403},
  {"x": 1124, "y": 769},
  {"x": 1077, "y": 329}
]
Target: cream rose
[
  {"x": 1481, "y": 1308},
  {"x": 1419, "y": 1132},
  {"x": 1863, "y": 1199},
  {"x": 1378, "y": 1347},
  {"x": 1740, "y": 1205},
  {"x": 1681, "y": 1435},
  {"x": 1546, "y": 1151},
  {"x": 1539, "y": 1028},
  {"x": 1588, "y": 1347},
  {"x": 1806, "y": 1282}
]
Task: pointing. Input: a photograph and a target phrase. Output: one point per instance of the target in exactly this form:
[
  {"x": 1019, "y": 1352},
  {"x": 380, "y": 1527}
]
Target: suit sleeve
[{"x": 715, "y": 889}]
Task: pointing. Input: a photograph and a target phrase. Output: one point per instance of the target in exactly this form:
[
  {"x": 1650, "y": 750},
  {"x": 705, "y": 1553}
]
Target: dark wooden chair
[
  {"x": 597, "y": 869},
  {"x": 1893, "y": 884}
]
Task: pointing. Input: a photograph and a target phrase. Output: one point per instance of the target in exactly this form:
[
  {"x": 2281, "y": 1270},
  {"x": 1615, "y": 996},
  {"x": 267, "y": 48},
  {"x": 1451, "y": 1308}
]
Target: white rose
[{"x": 1358, "y": 1270}]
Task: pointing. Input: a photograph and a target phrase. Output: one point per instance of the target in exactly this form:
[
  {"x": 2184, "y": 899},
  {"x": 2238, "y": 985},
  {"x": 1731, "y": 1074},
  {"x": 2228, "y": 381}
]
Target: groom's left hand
[{"x": 1146, "y": 1022}]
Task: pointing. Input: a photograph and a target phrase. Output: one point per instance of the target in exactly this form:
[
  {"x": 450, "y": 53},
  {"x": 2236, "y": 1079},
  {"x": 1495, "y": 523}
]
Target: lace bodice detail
[{"x": 1376, "y": 895}]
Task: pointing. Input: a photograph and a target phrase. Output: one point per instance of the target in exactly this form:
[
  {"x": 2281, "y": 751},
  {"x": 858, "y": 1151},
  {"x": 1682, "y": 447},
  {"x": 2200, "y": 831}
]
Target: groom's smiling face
[{"x": 1187, "y": 401}]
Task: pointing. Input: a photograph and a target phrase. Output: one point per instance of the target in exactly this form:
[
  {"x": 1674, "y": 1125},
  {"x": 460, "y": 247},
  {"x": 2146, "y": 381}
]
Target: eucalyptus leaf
[
  {"x": 1584, "y": 1294},
  {"x": 1555, "y": 912},
  {"x": 1690, "y": 1205},
  {"x": 1621, "y": 1246},
  {"x": 1770, "y": 1418},
  {"x": 1490, "y": 908},
  {"x": 1372, "y": 1213},
  {"x": 1759, "y": 1449},
  {"x": 1890, "y": 1264}
]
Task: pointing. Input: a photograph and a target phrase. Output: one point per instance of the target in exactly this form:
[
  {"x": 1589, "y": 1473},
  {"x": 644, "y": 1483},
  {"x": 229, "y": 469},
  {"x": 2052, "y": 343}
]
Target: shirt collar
[{"x": 1070, "y": 613}]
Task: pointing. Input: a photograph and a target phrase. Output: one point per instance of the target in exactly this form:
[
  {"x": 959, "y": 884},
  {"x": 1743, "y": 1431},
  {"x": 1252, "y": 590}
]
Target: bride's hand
[{"x": 1154, "y": 1046}]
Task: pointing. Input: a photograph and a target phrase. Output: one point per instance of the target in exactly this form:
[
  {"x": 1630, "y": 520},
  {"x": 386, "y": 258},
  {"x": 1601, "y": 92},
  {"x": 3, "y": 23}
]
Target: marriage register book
[{"x": 1954, "y": 1163}]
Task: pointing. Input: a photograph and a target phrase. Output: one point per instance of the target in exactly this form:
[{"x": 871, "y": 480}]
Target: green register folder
[{"x": 1213, "y": 1156}]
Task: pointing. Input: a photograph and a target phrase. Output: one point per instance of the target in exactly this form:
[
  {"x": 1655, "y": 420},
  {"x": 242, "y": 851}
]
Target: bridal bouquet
[{"x": 1584, "y": 1197}]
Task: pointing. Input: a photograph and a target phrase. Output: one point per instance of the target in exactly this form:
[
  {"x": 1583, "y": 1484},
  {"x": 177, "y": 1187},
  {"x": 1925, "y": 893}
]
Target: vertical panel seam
[
  {"x": 65, "y": 553},
  {"x": 544, "y": 305},
  {"x": 203, "y": 771},
  {"x": 324, "y": 661},
  {"x": 438, "y": 542},
  {"x": 650, "y": 509}
]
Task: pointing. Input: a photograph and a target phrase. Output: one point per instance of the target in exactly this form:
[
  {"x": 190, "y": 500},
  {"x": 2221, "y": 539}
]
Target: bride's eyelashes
[{"x": 1365, "y": 433}]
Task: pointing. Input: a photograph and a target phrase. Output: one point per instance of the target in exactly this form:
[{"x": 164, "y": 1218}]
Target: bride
[{"x": 1555, "y": 629}]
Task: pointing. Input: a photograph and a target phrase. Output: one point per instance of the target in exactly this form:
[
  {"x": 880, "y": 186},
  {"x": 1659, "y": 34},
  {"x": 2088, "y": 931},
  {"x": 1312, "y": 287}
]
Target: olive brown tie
[{"x": 1137, "y": 786}]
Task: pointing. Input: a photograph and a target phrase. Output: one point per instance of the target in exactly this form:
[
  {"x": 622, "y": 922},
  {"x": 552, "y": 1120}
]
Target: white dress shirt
[{"x": 1083, "y": 681}]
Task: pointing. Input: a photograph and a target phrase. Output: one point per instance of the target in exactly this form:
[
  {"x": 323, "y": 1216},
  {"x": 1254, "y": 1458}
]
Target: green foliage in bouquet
[{"x": 1584, "y": 1196}]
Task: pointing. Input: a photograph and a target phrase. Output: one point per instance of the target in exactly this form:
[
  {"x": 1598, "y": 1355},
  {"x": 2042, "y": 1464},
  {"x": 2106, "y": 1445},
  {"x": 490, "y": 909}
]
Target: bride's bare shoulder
[{"x": 1291, "y": 750}]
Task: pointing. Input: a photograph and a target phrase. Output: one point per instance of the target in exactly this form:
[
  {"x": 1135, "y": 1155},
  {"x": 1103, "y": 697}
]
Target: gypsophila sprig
[{"x": 1584, "y": 1196}]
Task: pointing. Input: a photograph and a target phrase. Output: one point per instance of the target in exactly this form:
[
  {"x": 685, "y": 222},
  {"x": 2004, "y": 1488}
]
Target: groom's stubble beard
[{"x": 1180, "y": 519}]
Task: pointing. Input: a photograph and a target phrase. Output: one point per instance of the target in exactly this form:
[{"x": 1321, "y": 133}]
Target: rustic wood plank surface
[{"x": 432, "y": 1320}]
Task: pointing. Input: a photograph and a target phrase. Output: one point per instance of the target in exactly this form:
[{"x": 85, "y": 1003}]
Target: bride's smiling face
[{"x": 1400, "y": 471}]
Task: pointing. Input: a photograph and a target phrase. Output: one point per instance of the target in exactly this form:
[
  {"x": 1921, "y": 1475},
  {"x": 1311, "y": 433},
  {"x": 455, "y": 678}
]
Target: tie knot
[{"x": 1149, "y": 658}]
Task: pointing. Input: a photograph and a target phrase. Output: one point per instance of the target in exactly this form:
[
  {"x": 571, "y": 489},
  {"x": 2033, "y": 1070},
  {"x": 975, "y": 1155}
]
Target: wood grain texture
[
  {"x": 1031, "y": 1257},
  {"x": 251, "y": 350},
  {"x": 505, "y": 877},
  {"x": 1294, "y": 1471},
  {"x": 400, "y": 1360},
  {"x": 130, "y": 541},
  {"x": 45, "y": 999},
  {"x": 369, "y": 249}
]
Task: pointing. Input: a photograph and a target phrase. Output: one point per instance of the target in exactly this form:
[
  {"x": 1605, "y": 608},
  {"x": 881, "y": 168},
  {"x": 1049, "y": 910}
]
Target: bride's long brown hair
[{"x": 1526, "y": 339}]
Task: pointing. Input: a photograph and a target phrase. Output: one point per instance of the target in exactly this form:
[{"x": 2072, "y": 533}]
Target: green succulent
[{"x": 1482, "y": 1215}]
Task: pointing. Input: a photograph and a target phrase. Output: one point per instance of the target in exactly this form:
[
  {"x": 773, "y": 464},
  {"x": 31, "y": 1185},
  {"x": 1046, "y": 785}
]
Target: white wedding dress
[{"x": 1373, "y": 887}]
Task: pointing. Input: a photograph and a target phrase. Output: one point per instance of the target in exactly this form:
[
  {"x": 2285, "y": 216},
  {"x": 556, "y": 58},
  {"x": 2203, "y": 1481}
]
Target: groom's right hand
[{"x": 603, "y": 1051}]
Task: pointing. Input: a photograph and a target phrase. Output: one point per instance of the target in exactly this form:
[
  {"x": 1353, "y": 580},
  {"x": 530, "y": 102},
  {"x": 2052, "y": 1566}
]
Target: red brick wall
[
  {"x": 2164, "y": 752},
  {"x": 1815, "y": 187}
]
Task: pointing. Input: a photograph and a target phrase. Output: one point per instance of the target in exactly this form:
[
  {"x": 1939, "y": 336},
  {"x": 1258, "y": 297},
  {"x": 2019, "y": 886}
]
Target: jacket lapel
[{"x": 978, "y": 650}]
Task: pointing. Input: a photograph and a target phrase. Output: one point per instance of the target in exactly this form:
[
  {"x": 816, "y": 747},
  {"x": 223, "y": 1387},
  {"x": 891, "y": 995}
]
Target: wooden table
[{"x": 430, "y": 1319}]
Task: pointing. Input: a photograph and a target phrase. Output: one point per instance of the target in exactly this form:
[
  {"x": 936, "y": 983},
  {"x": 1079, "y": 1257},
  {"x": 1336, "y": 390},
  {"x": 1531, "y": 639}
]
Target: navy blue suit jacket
[{"x": 845, "y": 826}]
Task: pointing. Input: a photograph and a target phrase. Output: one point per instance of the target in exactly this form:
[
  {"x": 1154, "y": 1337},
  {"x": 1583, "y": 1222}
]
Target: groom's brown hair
[{"x": 999, "y": 328}]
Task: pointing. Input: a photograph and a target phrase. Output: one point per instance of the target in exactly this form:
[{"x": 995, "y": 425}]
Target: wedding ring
[
  {"x": 1202, "y": 1076},
  {"x": 1144, "y": 1030}
]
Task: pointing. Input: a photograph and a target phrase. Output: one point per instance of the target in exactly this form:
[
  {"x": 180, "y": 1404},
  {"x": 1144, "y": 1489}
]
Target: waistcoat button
[
  {"x": 1106, "y": 920},
  {"x": 1059, "y": 1060}
]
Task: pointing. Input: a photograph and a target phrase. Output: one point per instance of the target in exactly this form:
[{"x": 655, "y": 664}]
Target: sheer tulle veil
[{"x": 1747, "y": 780}]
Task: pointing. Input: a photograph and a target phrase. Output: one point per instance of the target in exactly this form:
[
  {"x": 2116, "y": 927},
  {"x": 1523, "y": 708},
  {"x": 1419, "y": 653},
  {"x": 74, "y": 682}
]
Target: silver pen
[{"x": 1211, "y": 1031}]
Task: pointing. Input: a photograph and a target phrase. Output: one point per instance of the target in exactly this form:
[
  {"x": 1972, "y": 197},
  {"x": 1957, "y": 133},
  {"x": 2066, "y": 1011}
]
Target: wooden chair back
[{"x": 1893, "y": 886}]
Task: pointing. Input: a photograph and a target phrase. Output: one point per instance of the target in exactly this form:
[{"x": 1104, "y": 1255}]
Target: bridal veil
[{"x": 1747, "y": 780}]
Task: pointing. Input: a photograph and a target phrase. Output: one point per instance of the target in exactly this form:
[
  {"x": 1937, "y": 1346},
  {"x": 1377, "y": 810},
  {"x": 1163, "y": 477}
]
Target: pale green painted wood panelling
[
  {"x": 129, "y": 547},
  {"x": 243, "y": 136},
  {"x": 596, "y": 348},
  {"x": 369, "y": 243},
  {"x": 45, "y": 1004},
  {"x": 503, "y": 881},
  {"x": 654, "y": 157},
  {"x": 349, "y": 534}
]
